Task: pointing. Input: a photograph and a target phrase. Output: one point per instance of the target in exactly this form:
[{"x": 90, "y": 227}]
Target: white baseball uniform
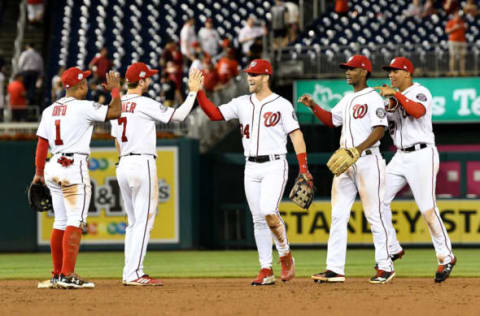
[
  {"x": 264, "y": 126},
  {"x": 358, "y": 113},
  {"x": 135, "y": 132},
  {"x": 416, "y": 162},
  {"x": 68, "y": 126}
]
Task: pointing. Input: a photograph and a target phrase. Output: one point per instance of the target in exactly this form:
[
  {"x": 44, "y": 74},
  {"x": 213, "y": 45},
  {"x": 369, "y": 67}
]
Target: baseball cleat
[
  {"x": 73, "y": 281},
  {"x": 398, "y": 255},
  {"x": 49, "y": 284},
  {"x": 444, "y": 270},
  {"x": 328, "y": 277},
  {"x": 265, "y": 277},
  {"x": 145, "y": 280},
  {"x": 382, "y": 277},
  {"x": 288, "y": 267}
]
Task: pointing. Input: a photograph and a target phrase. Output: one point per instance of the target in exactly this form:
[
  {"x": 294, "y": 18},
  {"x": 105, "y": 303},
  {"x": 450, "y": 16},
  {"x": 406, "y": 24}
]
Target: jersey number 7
[{"x": 123, "y": 121}]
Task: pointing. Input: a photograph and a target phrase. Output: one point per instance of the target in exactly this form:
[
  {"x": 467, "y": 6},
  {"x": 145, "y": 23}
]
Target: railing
[
  {"x": 318, "y": 61},
  {"x": 19, "y": 39}
]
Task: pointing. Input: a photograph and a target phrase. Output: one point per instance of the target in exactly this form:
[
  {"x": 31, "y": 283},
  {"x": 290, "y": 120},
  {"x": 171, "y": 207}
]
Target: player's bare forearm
[
  {"x": 374, "y": 136},
  {"x": 298, "y": 142}
]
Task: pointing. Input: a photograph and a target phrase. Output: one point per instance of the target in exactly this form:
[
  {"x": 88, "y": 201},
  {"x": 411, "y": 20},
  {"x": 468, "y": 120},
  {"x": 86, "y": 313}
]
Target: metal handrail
[{"x": 19, "y": 39}]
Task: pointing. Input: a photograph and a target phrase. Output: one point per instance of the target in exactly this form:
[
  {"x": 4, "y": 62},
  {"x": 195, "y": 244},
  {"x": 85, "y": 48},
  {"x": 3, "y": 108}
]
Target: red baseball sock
[
  {"x": 71, "y": 245},
  {"x": 56, "y": 249}
]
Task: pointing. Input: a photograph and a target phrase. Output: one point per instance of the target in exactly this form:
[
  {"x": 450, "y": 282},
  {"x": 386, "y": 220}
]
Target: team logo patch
[
  {"x": 381, "y": 113},
  {"x": 294, "y": 116},
  {"x": 253, "y": 64},
  {"x": 359, "y": 110},
  {"x": 97, "y": 106},
  {"x": 422, "y": 97},
  {"x": 271, "y": 119},
  {"x": 142, "y": 74}
]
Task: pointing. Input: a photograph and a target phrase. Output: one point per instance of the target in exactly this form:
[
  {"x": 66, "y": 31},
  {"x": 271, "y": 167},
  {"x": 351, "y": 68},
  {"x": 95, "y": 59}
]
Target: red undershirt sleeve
[
  {"x": 210, "y": 109},
  {"x": 323, "y": 115},
  {"x": 413, "y": 108},
  {"x": 41, "y": 155}
]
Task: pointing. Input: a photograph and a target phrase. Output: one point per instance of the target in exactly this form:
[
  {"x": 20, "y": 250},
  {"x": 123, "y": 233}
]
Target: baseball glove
[
  {"x": 39, "y": 197},
  {"x": 342, "y": 159},
  {"x": 302, "y": 191}
]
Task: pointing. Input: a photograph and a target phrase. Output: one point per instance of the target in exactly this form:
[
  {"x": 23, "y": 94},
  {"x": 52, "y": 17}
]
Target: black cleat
[
  {"x": 328, "y": 277},
  {"x": 444, "y": 270}
]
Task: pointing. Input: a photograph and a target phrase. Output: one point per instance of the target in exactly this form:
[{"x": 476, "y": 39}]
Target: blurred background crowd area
[{"x": 304, "y": 39}]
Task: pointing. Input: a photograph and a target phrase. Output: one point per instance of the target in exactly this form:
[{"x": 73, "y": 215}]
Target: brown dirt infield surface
[{"x": 457, "y": 296}]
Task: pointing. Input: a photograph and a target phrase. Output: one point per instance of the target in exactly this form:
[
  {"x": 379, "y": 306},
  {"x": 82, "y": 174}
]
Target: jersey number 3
[{"x": 123, "y": 121}]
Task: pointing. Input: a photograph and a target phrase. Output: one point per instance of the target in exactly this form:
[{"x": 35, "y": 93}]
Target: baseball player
[
  {"x": 66, "y": 126},
  {"x": 363, "y": 119},
  {"x": 416, "y": 161},
  {"x": 265, "y": 121},
  {"x": 135, "y": 140}
]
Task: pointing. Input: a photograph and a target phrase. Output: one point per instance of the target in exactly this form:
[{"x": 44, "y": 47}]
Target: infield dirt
[{"x": 420, "y": 296}]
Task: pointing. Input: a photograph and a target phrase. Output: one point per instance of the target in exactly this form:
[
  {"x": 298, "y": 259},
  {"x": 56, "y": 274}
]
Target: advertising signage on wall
[
  {"x": 107, "y": 219},
  {"x": 312, "y": 227},
  {"x": 454, "y": 99}
]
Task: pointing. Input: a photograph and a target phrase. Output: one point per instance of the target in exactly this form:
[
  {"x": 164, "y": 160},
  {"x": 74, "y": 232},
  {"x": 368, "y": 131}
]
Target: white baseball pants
[
  {"x": 70, "y": 189},
  {"x": 264, "y": 186},
  {"x": 137, "y": 178},
  {"x": 419, "y": 169},
  {"x": 366, "y": 177}
]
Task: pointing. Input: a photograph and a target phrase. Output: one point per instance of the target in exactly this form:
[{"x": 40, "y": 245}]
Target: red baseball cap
[
  {"x": 138, "y": 71},
  {"x": 401, "y": 63},
  {"x": 259, "y": 67},
  {"x": 73, "y": 75},
  {"x": 358, "y": 61}
]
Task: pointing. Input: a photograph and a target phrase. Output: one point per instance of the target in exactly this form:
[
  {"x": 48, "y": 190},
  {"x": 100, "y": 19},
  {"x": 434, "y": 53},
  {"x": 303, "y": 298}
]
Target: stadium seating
[
  {"x": 380, "y": 30},
  {"x": 136, "y": 30}
]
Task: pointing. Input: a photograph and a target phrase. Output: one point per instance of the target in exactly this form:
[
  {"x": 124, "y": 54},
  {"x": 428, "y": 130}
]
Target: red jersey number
[
  {"x": 123, "y": 121},
  {"x": 58, "y": 140},
  {"x": 245, "y": 131}
]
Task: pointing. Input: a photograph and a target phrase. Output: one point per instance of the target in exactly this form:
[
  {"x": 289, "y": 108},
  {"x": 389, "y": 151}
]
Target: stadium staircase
[
  {"x": 8, "y": 32},
  {"x": 138, "y": 31}
]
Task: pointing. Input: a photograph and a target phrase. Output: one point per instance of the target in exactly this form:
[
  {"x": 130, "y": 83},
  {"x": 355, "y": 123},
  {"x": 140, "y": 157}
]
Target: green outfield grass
[{"x": 209, "y": 264}]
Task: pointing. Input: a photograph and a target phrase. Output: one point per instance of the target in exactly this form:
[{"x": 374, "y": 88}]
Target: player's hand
[
  {"x": 38, "y": 179},
  {"x": 113, "y": 80},
  {"x": 306, "y": 100},
  {"x": 385, "y": 91},
  {"x": 195, "y": 80}
]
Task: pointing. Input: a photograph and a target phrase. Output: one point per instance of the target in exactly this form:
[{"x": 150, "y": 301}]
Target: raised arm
[
  {"x": 210, "y": 109},
  {"x": 321, "y": 114},
  {"x": 195, "y": 83},
  {"x": 415, "y": 109},
  {"x": 113, "y": 85}
]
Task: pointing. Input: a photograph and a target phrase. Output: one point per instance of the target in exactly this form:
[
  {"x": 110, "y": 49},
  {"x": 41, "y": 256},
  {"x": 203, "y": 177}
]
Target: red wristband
[
  {"x": 115, "y": 93},
  {"x": 302, "y": 162}
]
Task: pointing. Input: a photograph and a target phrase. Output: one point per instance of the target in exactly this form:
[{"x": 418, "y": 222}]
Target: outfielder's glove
[
  {"x": 302, "y": 191},
  {"x": 39, "y": 197},
  {"x": 342, "y": 159}
]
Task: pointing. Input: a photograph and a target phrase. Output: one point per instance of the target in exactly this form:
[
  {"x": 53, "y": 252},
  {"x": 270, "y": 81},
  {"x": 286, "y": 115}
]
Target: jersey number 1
[
  {"x": 123, "y": 121},
  {"x": 58, "y": 140}
]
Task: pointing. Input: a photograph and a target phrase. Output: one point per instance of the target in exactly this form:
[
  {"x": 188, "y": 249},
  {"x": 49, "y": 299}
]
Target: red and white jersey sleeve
[
  {"x": 358, "y": 113},
  {"x": 68, "y": 124},
  {"x": 264, "y": 125},
  {"x": 135, "y": 130},
  {"x": 406, "y": 130}
]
